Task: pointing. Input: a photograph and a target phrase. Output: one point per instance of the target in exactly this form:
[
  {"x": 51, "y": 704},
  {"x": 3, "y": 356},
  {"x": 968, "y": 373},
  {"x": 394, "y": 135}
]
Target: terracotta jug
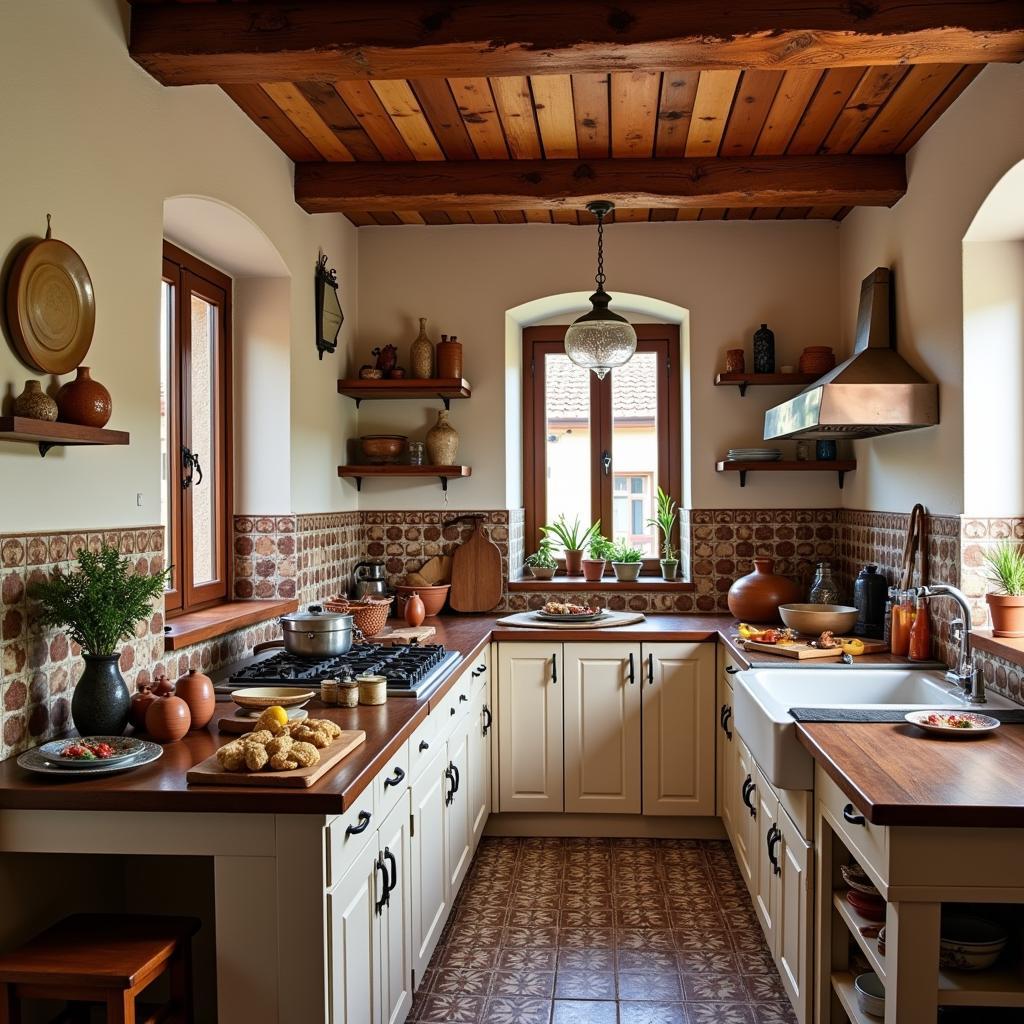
[
  {"x": 442, "y": 441},
  {"x": 162, "y": 685},
  {"x": 196, "y": 690},
  {"x": 449, "y": 357},
  {"x": 168, "y": 718},
  {"x": 755, "y": 598},
  {"x": 415, "y": 612},
  {"x": 140, "y": 705},
  {"x": 34, "y": 403},
  {"x": 84, "y": 401}
]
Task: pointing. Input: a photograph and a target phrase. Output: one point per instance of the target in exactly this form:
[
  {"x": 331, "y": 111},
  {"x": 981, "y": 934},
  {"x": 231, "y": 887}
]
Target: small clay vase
[
  {"x": 168, "y": 718},
  {"x": 34, "y": 403},
  {"x": 415, "y": 613},
  {"x": 449, "y": 358},
  {"x": 442, "y": 441},
  {"x": 141, "y": 700},
  {"x": 755, "y": 598},
  {"x": 196, "y": 690},
  {"x": 84, "y": 401},
  {"x": 162, "y": 685},
  {"x": 735, "y": 361},
  {"x": 421, "y": 354}
]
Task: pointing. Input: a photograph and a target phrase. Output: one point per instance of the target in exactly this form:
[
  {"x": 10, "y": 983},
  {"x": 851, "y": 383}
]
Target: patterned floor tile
[
  {"x": 457, "y": 980},
  {"x": 650, "y": 985},
  {"x": 652, "y": 1013},
  {"x": 572, "y": 984},
  {"x": 585, "y": 959},
  {"x": 582, "y": 1011},
  {"x": 646, "y": 960},
  {"x": 522, "y": 983},
  {"x": 527, "y": 959},
  {"x": 511, "y": 1010}
]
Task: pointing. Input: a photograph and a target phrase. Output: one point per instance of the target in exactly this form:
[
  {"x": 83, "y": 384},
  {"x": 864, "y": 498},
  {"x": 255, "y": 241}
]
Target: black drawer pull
[
  {"x": 481, "y": 668},
  {"x": 731, "y": 669},
  {"x": 632, "y": 670},
  {"x": 554, "y": 669},
  {"x": 852, "y": 816},
  {"x": 650, "y": 669},
  {"x": 463, "y": 698},
  {"x": 385, "y": 892},
  {"x": 449, "y": 775},
  {"x": 424, "y": 745},
  {"x": 457, "y": 778},
  {"x": 355, "y": 830},
  {"x": 725, "y": 723},
  {"x": 487, "y": 719},
  {"x": 747, "y": 792},
  {"x": 393, "y": 884},
  {"x": 396, "y": 778},
  {"x": 774, "y": 837},
  {"x": 451, "y": 711}
]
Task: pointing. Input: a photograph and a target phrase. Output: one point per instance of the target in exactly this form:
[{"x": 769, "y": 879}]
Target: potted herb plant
[
  {"x": 98, "y": 606},
  {"x": 575, "y": 539},
  {"x": 626, "y": 562},
  {"x": 1006, "y": 604},
  {"x": 542, "y": 562},
  {"x": 600, "y": 551},
  {"x": 665, "y": 521}
]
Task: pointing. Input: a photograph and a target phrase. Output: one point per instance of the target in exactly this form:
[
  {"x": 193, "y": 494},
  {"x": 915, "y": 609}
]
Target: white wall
[
  {"x": 951, "y": 171},
  {"x": 731, "y": 276},
  {"x": 89, "y": 137}
]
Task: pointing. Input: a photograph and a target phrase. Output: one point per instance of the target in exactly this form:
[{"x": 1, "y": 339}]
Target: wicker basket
[{"x": 368, "y": 615}]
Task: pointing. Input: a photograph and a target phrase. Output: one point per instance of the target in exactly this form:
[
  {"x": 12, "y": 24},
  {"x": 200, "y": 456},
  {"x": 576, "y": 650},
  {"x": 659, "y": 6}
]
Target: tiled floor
[{"x": 602, "y": 931}]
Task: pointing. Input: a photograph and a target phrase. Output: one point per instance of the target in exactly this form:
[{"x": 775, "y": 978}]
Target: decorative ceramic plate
[
  {"x": 260, "y": 697},
  {"x": 62, "y": 752},
  {"x": 858, "y": 881},
  {"x": 585, "y": 617},
  {"x": 954, "y": 724},
  {"x": 35, "y": 761}
]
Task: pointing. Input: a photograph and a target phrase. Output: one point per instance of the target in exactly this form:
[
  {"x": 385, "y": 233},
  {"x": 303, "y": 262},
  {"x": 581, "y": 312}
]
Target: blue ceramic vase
[{"x": 101, "y": 701}]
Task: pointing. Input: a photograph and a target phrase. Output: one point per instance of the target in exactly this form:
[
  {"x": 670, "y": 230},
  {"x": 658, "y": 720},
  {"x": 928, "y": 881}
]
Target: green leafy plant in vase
[
  {"x": 574, "y": 539},
  {"x": 1006, "y": 603},
  {"x": 542, "y": 563},
  {"x": 665, "y": 522},
  {"x": 99, "y": 606},
  {"x": 600, "y": 552},
  {"x": 626, "y": 562}
]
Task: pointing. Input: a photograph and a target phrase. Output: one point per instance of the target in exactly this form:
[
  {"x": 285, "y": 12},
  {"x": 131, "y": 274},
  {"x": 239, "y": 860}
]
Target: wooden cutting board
[
  {"x": 802, "y": 651},
  {"x": 476, "y": 574},
  {"x": 210, "y": 773},
  {"x": 405, "y": 635}
]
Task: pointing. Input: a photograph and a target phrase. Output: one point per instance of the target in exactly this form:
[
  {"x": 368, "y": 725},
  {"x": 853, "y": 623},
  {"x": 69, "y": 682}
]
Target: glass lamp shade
[{"x": 600, "y": 340}]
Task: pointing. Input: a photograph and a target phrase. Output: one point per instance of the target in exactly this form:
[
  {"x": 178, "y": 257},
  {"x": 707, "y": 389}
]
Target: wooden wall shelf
[
  {"x": 443, "y": 473},
  {"x": 48, "y": 435},
  {"x": 838, "y": 466},
  {"x": 445, "y": 388},
  {"x": 745, "y": 380}
]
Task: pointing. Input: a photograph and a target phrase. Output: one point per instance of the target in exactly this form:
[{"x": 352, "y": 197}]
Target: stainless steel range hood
[{"x": 874, "y": 392}]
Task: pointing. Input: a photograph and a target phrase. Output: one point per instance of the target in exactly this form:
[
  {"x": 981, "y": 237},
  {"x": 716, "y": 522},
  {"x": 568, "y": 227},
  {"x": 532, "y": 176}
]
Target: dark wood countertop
[{"x": 898, "y": 775}]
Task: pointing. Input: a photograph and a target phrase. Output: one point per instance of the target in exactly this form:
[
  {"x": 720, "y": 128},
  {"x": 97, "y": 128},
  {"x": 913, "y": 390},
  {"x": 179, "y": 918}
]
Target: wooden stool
[{"x": 102, "y": 958}]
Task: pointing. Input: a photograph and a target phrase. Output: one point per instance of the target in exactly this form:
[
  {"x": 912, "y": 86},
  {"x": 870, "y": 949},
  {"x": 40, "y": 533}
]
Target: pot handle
[{"x": 316, "y": 609}]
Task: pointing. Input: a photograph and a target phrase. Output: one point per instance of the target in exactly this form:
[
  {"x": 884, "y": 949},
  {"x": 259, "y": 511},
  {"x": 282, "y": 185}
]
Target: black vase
[
  {"x": 101, "y": 700},
  {"x": 764, "y": 350}
]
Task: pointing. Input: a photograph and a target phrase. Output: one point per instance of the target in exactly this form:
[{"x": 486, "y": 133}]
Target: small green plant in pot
[
  {"x": 600, "y": 551},
  {"x": 1006, "y": 603},
  {"x": 542, "y": 562},
  {"x": 574, "y": 539},
  {"x": 98, "y": 606},
  {"x": 665, "y": 521},
  {"x": 626, "y": 562}
]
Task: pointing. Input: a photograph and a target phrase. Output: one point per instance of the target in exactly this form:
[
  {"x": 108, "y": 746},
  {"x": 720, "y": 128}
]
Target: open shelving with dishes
[
  {"x": 746, "y": 380},
  {"x": 443, "y": 473},
  {"x": 48, "y": 434},
  {"x": 444, "y": 388},
  {"x": 839, "y": 466}
]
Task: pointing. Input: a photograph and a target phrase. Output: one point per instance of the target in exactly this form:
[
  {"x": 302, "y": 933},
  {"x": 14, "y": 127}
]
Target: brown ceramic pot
[
  {"x": 442, "y": 441},
  {"x": 415, "y": 613},
  {"x": 1007, "y": 614},
  {"x": 756, "y": 597},
  {"x": 573, "y": 563},
  {"x": 196, "y": 690},
  {"x": 593, "y": 569},
  {"x": 162, "y": 685},
  {"x": 168, "y": 718},
  {"x": 34, "y": 403},
  {"x": 140, "y": 705},
  {"x": 84, "y": 401},
  {"x": 449, "y": 358}
]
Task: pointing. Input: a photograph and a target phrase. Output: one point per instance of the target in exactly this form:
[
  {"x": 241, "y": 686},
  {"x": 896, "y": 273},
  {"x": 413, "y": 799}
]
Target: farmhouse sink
[{"x": 762, "y": 699}]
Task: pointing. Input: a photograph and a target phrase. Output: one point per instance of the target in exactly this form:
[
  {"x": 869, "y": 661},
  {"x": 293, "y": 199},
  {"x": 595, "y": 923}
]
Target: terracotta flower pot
[
  {"x": 669, "y": 568},
  {"x": 542, "y": 572},
  {"x": 593, "y": 569},
  {"x": 196, "y": 690},
  {"x": 1007, "y": 614},
  {"x": 573, "y": 563},
  {"x": 757, "y": 596}
]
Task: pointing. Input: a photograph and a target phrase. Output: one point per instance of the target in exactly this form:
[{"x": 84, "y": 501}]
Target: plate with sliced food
[
  {"x": 565, "y": 611},
  {"x": 953, "y": 724},
  {"x": 90, "y": 750}
]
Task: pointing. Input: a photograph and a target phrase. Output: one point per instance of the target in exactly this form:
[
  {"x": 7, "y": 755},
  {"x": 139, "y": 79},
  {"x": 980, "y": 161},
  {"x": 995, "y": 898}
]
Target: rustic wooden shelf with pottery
[
  {"x": 838, "y": 466},
  {"x": 48, "y": 434},
  {"x": 745, "y": 380},
  {"x": 443, "y": 473},
  {"x": 445, "y": 388}
]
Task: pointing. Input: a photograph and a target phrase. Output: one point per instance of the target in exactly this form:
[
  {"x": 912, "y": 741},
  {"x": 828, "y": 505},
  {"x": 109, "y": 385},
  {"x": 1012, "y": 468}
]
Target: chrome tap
[{"x": 965, "y": 675}]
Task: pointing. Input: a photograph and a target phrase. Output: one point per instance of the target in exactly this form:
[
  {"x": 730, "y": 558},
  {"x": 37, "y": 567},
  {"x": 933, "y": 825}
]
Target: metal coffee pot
[{"x": 369, "y": 580}]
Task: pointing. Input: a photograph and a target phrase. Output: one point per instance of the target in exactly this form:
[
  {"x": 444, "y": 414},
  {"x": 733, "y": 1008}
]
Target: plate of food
[
  {"x": 565, "y": 611},
  {"x": 259, "y": 697},
  {"x": 89, "y": 750},
  {"x": 36, "y": 761},
  {"x": 956, "y": 724}
]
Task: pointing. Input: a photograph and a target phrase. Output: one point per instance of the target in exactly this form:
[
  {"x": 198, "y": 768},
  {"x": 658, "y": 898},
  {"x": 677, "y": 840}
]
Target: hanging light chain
[{"x": 600, "y": 252}]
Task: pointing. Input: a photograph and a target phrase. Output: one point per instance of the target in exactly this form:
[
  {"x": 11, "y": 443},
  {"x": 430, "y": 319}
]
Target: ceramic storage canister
[
  {"x": 755, "y": 598},
  {"x": 449, "y": 358}
]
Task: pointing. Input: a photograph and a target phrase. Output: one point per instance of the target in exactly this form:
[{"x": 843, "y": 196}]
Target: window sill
[
  {"x": 578, "y": 583},
  {"x": 1009, "y": 648},
  {"x": 194, "y": 627}
]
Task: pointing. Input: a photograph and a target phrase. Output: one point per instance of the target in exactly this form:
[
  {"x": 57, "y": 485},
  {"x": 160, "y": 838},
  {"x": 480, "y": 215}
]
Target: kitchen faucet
[{"x": 965, "y": 675}]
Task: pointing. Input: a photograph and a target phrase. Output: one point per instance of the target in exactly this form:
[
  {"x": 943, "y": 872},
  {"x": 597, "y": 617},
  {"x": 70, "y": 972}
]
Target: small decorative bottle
[
  {"x": 920, "y": 646},
  {"x": 764, "y": 350},
  {"x": 421, "y": 354},
  {"x": 823, "y": 589},
  {"x": 442, "y": 441}
]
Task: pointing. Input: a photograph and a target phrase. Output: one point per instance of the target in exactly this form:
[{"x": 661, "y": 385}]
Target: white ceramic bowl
[
  {"x": 970, "y": 943},
  {"x": 870, "y": 994},
  {"x": 814, "y": 619}
]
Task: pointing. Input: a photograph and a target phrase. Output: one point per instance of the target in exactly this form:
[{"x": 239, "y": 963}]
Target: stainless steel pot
[{"x": 316, "y": 633}]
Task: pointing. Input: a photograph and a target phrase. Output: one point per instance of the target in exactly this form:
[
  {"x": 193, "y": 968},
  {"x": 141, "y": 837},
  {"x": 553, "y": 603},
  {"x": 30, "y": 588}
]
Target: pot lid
[{"x": 316, "y": 620}]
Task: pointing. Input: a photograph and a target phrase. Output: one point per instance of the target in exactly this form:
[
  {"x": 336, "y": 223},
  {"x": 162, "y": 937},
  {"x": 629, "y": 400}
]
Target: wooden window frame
[
  {"x": 662, "y": 339},
  {"x": 189, "y": 275}
]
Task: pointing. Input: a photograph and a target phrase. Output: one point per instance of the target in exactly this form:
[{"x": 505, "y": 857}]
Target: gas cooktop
[{"x": 412, "y": 670}]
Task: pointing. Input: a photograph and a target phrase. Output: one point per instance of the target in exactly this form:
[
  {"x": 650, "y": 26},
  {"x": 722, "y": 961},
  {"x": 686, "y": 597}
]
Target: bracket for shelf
[
  {"x": 447, "y": 402},
  {"x": 743, "y": 478},
  {"x": 841, "y": 473},
  {"x": 743, "y": 394},
  {"x": 45, "y": 446},
  {"x": 357, "y": 401},
  {"x": 444, "y": 483},
  {"x": 359, "y": 482}
]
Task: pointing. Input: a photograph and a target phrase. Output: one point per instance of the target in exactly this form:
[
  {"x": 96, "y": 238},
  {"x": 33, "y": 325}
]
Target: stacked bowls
[
  {"x": 754, "y": 454},
  {"x": 817, "y": 359}
]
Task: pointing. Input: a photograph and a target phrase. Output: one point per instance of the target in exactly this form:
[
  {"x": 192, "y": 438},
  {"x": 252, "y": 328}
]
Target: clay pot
[
  {"x": 415, "y": 613},
  {"x": 421, "y": 354},
  {"x": 735, "y": 361},
  {"x": 573, "y": 563},
  {"x": 442, "y": 441},
  {"x": 196, "y": 690},
  {"x": 84, "y": 401},
  {"x": 34, "y": 403},
  {"x": 1007, "y": 614},
  {"x": 449, "y": 358},
  {"x": 593, "y": 569},
  {"x": 542, "y": 572},
  {"x": 757, "y": 596},
  {"x": 162, "y": 685},
  {"x": 168, "y": 718},
  {"x": 140, "y": 705}
]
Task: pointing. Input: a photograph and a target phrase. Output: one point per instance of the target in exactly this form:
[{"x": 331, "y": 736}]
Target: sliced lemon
[{"x": 852, "y": 646}]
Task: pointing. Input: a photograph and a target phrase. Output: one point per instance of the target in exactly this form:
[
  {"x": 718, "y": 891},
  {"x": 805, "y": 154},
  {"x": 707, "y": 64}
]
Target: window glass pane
[
  {"x": 635, "y": 447},
  {"x": 202, "y": 423},
  {"x": 166, "y": 326},
  {"x": 567, "y": 425}
]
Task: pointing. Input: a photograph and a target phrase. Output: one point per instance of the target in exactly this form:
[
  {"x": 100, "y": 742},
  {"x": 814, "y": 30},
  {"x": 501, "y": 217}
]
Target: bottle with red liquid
[{"x": 920, "y": 647}]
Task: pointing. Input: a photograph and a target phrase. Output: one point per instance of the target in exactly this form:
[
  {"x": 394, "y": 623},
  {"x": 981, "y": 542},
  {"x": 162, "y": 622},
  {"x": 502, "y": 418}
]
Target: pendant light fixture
[{"x": 600, "y": 340}]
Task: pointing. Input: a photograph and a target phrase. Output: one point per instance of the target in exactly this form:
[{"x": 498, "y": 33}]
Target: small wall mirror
[{"x": 329, "y": 316}]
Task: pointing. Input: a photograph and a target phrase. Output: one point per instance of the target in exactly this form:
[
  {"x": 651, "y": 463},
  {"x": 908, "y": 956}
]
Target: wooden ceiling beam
[
  {"x": 323, "y": 40},
  {"x": 569, "y": 184}
]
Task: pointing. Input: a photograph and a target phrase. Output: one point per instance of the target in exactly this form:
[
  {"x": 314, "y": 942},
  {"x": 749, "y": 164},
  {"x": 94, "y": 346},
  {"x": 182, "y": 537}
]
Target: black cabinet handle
[
  {"x": 481, "y": 668},
  {"x": 424, "y": 745},
  {"x": 379, "y": 865},
  {"x": 448, "y": 774},
  {"x": 723, "y": 718},
  {"x": 554, "y": 669},
  {"x": 774, "y": 837},
  {"x": 393, "y": 884},
  {"x": 474, "y": 674},
  {"x": 487, "y": 719},
  {"x": 731, "y": 669},
  {"x": 852, "y": 816},
  {"x": 451, "y": 711},
  {"x": 457, "y": 781},
  {"x": 650, "y": 669},
  {"x": 632, "y": 670},
  {"x": 463, "y": 698},
  {"x": 747, "y": 792},
  {"x": 364, "y": 824},
  {"x": 396, "y": 778}
]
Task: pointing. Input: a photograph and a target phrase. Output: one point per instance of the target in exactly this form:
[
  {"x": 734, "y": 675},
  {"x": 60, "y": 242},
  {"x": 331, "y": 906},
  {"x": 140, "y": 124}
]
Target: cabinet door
[
  {"x": 478, "y": 790},
  {"x": 396, "y": 917},
  {"x": 457, "y": 824},
  {"x": 679, "y": 728},
  {"x": 765, "y": 885},
  {"x": 793, "y": 946},
  {"x": 530, "y": 685},
  {"x": 428, "y": 891},
  {"x": 602, "y": 728},
  {"x": 745, "y": 805},
  {"x": 354, "y": 938},
  {"x": 726, "y": 755}
]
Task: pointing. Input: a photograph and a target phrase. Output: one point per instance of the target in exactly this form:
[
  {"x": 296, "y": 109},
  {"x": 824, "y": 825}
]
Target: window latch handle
[
  {"x": 606, "y": 461},
  {"x": 190, "y": 466}
]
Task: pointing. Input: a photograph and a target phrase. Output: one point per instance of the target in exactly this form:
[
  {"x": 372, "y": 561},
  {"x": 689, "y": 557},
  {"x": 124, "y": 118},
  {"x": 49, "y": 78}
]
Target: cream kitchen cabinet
[
  {"x": 744, "y": 812},
  {"x": 429, "y": 904},
  {"x": 763, "y": 852},
  {"x": 727, "y": 760},
  {"x": 794, "y": 930},
  {"x": 457, "y": 829},
  {"x": 478, "y": 786}
]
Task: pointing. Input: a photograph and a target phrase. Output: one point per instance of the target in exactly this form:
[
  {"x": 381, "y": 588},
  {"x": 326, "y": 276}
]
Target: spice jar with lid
[{"x": 348, "y": 693}]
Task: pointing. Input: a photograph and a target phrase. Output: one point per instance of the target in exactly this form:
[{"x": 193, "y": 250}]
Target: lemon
[
  {"x": 274, "y": 714},
  {"x": 853, "y": 646}
]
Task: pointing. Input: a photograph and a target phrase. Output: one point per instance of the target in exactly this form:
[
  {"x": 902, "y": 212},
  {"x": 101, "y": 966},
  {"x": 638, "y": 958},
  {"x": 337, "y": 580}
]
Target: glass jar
[
  {"x": 416, "y": 453},
  {"x": 824, "y": 589}
]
